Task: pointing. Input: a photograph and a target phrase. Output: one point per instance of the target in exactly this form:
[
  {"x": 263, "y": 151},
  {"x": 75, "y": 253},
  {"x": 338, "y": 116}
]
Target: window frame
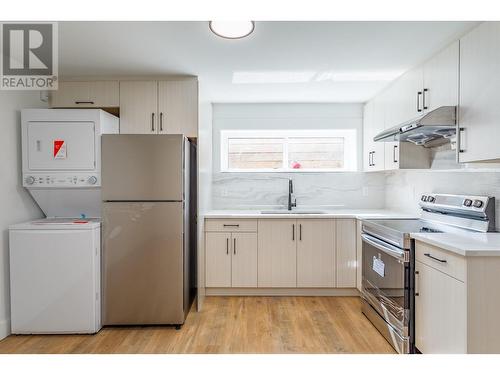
[{"x": 350, "y": 148}]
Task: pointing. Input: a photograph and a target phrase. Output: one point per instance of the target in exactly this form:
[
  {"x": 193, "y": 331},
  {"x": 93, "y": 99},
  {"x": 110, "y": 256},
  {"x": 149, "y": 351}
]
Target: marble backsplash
[
  {"x": 404, "y": 188},
  {"x": 312, "y": 190}
]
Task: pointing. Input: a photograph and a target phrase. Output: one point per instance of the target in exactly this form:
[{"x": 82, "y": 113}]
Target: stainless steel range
[{"x": 388, "y": 259}]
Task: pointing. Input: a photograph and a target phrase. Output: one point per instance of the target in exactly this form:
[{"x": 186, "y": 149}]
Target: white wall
[
  {"x": 269, "y": 190},
  {"x": 204, "y": 188},
  {"x": 404, "y": 188},
  {"x": 16, "y": 205}
]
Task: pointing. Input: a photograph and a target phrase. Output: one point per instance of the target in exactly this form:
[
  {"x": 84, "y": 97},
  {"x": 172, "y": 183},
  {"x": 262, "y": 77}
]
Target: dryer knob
[
  {"x": 30, "y": 180},
  {"x": 92, "y": 180}
]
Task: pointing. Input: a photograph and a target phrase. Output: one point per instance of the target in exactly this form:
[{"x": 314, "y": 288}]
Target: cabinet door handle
[
  {"x": 227, "y": 246},
  {"x": 419, "y": 94},
  {"x": 234, "y": 246},
  {"x": 231, "y": 225},
  {"x": 459, "y": 140},
  {"x": 293, "y": 232},
  {"x": 300, "y": 232},
  {"x": 83, "y": 102},
  {"x": 161, "y": 121},
  {"x": 434, "y": 258},
  {"x": 417, "y": 293},
  {"x": 423, "y": 99},
  {"x": 394, "y": 153},
  {"x": 152, "y": 122},
  {"x": 373, "y": 158}
]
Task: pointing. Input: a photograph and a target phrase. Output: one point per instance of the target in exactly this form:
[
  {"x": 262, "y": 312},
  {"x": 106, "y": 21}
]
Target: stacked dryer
[{"x": 55, "y": 262}]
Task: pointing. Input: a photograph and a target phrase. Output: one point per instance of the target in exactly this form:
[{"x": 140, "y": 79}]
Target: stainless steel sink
[{"x": 296, "y": 212}]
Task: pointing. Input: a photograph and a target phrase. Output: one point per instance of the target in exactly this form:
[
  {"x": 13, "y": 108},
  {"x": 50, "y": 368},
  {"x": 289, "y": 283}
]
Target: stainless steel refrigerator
[{"x": 149, "y": 227}]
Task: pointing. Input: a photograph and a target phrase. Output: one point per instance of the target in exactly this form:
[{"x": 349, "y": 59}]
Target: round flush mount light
[{"x": 232, "y": 29}]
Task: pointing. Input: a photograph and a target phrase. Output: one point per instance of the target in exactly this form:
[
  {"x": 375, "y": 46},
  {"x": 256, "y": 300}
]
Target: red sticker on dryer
[{"x": 59, "y": 149}]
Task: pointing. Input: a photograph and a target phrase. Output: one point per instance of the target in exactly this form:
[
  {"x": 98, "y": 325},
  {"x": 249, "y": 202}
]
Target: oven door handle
[{"x": 393, "y": 251}]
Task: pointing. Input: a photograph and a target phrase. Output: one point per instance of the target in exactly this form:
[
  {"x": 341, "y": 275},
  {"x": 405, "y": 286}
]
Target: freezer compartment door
[
  {"x": 143, "y": 263},
  {"x": 61, "y": 146},
  {"x": 142, "y": 167}
]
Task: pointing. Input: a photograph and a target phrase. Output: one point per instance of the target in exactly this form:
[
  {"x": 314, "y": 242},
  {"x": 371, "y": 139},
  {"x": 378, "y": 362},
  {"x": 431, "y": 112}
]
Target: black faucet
[{"x": 290, "y": 192}]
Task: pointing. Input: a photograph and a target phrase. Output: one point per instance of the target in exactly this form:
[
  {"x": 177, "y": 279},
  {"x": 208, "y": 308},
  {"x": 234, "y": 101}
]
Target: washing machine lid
[{"x": 58, "y": 224}]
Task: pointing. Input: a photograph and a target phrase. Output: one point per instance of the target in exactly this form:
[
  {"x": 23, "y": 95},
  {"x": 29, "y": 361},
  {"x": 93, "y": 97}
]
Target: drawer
[
  {"x": 451, "y": 264},
  {"x": 231, "y": 225}
]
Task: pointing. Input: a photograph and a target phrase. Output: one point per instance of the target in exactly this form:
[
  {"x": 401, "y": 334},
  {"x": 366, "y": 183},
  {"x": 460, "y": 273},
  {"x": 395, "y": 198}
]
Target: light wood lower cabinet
[
  {"x": 457, "y": 301},
  {"x": 277, "y": 253},
  {"x": 359, "y": 254},
  {"x": 244, "y": 260},
  {"x": 281, "y": 253},
  {"x": 316, "y": 253},
  {"x": 440, "y": 312},
  {"x": 218, "y": 259},
  {"x": 346, "y": 253},
  {"x": 231, "y": 260}
]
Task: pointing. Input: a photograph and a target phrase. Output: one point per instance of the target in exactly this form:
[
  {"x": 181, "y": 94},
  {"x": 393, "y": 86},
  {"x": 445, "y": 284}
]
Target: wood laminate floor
[{"x": 232, "y": 325}]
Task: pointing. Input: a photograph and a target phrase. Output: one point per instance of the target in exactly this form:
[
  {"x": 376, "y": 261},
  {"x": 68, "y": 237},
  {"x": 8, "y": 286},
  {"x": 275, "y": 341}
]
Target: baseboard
[
  {"x": 311, "y": 292},
  {"x": 4, "y": 328}
]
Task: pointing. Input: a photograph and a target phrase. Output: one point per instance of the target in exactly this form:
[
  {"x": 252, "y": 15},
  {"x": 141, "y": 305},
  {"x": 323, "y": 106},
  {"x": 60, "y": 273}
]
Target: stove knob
[
  {"x": 477, "y": 203},
  {"x": 92, "y": 180},
  {"x": 30, "y": 180},
  {"x": 430, "y": 199},
  {"x": 424, "y": 198},
  {"x": 467, "y": 203}
]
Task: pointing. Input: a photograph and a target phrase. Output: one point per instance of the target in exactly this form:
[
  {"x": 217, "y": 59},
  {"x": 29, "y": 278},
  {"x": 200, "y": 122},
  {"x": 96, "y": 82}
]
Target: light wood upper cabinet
[
  {"x": 218, "y": 259},
  {"x": 159, "y": 107},
  {"x": 479, "y": 112},
  {"x": 277, "y": 253},
  {"x": 138, "y": 107},
  {"x": 346, "y": 253},
  {"x": 244, "y": 260},
  {"x": 316, "y": 253},
  {"x": 85, "y": 94},
  {"x": 441, "y": 79},
  {"x": 178, "y": 107}
]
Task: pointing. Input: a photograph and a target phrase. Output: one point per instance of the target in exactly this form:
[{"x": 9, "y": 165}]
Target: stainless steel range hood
[{"x": 431, "y": 129}]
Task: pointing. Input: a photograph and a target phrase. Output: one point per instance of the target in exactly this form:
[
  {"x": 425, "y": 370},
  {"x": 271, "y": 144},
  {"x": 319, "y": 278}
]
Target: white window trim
[{"x": 350, "y": 148}]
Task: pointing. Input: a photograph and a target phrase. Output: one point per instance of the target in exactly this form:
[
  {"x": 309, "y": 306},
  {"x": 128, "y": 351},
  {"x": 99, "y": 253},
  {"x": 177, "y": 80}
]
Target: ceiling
[{"x": 279, "y": 62}]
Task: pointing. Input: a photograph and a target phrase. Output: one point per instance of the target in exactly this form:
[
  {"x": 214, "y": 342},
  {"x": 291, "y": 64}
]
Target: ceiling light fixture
[{"x": 232, "y": 29}]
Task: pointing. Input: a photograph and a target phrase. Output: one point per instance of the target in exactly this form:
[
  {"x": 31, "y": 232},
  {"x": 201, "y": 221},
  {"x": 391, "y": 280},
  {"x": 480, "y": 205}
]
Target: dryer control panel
[{"x": 61, "y": 180}]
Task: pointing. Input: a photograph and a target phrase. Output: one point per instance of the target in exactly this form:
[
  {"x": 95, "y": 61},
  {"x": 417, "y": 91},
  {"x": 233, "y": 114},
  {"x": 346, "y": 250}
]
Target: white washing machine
[{"x": 55, "y": 276}]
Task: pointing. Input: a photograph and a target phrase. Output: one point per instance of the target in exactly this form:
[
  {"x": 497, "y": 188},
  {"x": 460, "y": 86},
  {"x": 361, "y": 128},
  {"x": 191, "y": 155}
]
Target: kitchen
[{"x": 266, "y": 202}]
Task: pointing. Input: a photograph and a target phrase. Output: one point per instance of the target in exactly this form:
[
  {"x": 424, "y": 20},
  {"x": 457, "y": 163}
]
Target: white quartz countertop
[
  {"x": 471, "y": 244},
  {"x": 332, "y": 213}
]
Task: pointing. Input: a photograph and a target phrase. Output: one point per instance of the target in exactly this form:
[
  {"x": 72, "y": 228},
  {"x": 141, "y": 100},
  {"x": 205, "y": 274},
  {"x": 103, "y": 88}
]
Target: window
[{"x": 288, "y": 150}]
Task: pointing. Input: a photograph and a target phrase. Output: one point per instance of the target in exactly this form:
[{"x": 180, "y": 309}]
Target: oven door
[{"x": 385, "y": 283}]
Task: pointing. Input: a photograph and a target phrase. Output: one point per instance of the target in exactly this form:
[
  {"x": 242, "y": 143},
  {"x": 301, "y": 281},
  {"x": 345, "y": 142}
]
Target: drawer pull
[
  {"x": 434, "y": 258},
  {"x": 232, "y": 225},
  {"x": 84, "y": 102}
]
